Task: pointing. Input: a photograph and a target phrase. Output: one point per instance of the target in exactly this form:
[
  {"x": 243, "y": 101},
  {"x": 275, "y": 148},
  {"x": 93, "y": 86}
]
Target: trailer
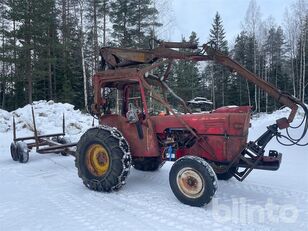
[{"x": 57, "y": 143}]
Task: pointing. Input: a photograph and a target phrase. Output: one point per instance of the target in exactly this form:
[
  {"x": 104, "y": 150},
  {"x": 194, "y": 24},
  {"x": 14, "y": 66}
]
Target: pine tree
[
  {"x": 97, "y": 12},
  {"x": 218, "y": 35},
  {"x": 241, "y": 91},
  {"x": 32, "y": 57},
  {"x": 70, "y": 76},
  {"x": 219, "y": 76},
  {"x": 186, "y": 75},
  {"x": 3, "y": 55},
  {"x": 133, "y": 22},
  {"x": 121, "y": 15},
  {"x": 145, "y": 18},
  {"x": 274, "y": 46}
]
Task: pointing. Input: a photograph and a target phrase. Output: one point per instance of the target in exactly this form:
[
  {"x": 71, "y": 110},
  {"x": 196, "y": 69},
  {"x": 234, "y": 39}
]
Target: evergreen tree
[
  {"x": 133, "y": 22},
  {"x": 121, "y": 15},
  {"x": 97, "y": 12},
  {"x": 218, "y": 35},
  {"x": 70, "y": 76},
  {"x": 31, "y": 57},
  {"x": 186, "y": 75},
  {"x": 274, "y": 46},
  {"x": 4, "y": 53},
  {"x": 219, "y": 77},
  {"x": 241, "y": 91},
  {"x": 145, "y": 19}
]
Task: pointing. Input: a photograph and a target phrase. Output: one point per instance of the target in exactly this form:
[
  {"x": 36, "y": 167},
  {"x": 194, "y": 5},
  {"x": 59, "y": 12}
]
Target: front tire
[
  {"x": 103, "y": 159},
  {"x": 193, "y": 181}
]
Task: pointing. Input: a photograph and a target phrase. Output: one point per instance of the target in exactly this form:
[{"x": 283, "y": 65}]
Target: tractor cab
[{"x": 125, "y": 104}]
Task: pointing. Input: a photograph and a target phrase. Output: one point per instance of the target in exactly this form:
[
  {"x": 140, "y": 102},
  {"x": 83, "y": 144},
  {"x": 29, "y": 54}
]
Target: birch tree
[{"x": 252, "y": 21}]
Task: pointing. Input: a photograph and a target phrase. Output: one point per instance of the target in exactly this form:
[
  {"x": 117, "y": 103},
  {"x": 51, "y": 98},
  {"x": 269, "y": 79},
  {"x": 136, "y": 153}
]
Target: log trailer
[{"x": 204, "y": 146}]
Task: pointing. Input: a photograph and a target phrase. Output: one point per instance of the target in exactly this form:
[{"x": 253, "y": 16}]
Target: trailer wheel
[
  {"x": 22, "y": 152},
  {"x": 64, "y": 140},
  {"x": 148, "y": 164},
  {"x": 103, "y": 159},
  {"x": 193, "y": 181},
  {"x": 14, "y": 154}
]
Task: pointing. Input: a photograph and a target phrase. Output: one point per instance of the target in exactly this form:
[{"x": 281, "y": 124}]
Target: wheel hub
[
  {"x": 97, "y": 160},
  {"x": 190, "y": 182}
]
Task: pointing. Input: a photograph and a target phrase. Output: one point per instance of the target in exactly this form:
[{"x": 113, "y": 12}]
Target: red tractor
[{"x": 204, "y": 146}]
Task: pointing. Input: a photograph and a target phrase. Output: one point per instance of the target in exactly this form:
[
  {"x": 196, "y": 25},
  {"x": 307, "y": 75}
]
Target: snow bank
[
  {"x": 284, "y": 112},
  {"x": 5, "y": 120},
  {"x": 270, "y": 118},
  {"x": 48, "y": 116}
]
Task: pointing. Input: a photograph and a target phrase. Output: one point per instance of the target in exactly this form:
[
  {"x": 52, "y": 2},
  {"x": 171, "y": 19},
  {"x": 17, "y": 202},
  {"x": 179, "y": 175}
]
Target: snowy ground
[{"x": 46, "y": 193}]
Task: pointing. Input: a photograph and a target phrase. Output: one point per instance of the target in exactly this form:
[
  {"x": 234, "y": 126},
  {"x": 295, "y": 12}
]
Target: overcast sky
[{"x": 197, "y": 15}]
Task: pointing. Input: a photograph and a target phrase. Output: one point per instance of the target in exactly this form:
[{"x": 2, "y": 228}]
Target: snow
[
  {"x": 48, "y": 119},
  {"x": 47, "y": 194}
]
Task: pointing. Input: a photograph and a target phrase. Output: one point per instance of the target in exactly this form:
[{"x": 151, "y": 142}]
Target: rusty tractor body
[{"x": 204, "y": 146}]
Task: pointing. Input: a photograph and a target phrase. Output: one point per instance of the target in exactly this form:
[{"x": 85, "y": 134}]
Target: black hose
[{"x": 296, "y": 141}]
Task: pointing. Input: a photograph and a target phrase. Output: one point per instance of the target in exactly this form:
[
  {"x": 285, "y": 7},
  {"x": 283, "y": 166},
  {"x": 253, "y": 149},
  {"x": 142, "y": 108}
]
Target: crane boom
[{"x": 115, "y": 58}]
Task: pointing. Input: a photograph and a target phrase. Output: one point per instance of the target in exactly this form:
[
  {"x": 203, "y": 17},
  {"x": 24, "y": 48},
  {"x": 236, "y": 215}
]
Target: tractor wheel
[
  {"x": 103, "y": 159},
  {"x": 64, "y": 140},
  {"x": 22, "y": 152},
  {"x": 14, "y": 154},
  {"x": 148, "y": 164},
  {"x": 193, "y": 181}
]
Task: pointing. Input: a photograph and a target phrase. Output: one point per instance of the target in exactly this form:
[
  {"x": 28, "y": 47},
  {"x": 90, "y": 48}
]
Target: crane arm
[
  {"x": 281, "y": 97},
  {"x": 115, "y": 58}
]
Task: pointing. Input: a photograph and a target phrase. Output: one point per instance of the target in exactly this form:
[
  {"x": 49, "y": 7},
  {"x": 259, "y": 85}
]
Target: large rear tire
[
  {"x": 103, "y": 159},
  {"x": 148, "y": 164},
  {"x": 193, "y": 181}
]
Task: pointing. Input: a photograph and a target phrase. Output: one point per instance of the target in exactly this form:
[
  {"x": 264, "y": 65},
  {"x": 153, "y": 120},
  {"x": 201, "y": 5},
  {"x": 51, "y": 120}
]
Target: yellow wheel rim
[{"x": 97, "y": 159}]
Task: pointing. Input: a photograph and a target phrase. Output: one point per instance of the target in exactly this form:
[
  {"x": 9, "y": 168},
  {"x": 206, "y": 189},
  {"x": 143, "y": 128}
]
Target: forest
[{"x": 49, "y": 49}]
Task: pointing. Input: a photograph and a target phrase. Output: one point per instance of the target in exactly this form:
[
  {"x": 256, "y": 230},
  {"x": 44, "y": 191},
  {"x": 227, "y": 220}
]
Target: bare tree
[
  {"x": 262, "y": 33},
  {"x": 291, "y": 28},
  {"x": 300, "y": 15},
  {"x": 166, "y": 17},
  {"x": 85, "y": 91},
  {"x": 252, "y": 21}
]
